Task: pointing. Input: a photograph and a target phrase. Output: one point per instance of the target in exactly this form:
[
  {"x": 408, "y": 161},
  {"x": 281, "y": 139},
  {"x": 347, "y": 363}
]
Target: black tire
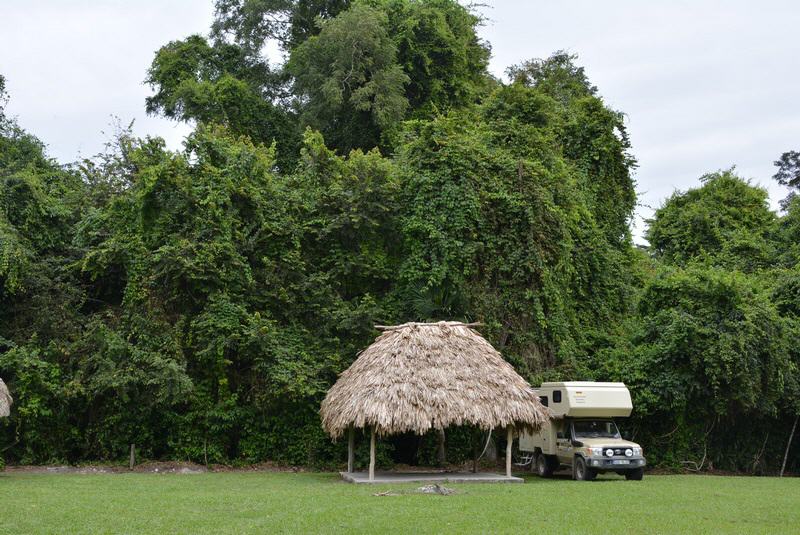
[
  {"x": 544, "y": 468},
  {"x": 581, "y": 472},
  {"x": 635, "y": 475}
]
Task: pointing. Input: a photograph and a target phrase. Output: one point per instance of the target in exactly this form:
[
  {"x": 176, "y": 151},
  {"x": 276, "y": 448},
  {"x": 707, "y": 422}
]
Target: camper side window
[
  {"x": 543, "y": 399},
  {"x": 556, "y": 396}
]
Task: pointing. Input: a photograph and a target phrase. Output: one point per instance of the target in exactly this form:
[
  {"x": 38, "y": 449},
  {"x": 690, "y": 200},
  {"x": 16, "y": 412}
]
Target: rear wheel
[
  {"x": 544, "y": 467},
  {"x": 581, "y": 472},
  {"x": 635, "y": 475}
]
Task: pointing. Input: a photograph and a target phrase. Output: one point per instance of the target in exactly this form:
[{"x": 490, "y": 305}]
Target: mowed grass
[{"x": 262, "y": 502}]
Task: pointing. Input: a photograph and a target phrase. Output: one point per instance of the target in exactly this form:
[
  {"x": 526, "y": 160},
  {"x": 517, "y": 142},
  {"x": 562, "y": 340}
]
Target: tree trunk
[
  {"x": 133, "y": 457},
  {"x": 789, "y": 444},
  {"x": 491, "y": 449},
  {"x": 509, "y": 444},
  {"x": 372, "y": 455},
  {"x": 351, "y": 441}
]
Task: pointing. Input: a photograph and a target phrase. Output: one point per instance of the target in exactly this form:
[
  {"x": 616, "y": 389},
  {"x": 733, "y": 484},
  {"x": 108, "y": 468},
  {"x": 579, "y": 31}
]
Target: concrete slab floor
[{"x": 429, "y": 477}]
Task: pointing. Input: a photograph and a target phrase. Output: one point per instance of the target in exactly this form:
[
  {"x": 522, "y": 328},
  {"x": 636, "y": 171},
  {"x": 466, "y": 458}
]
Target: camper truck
[{"x": 581, "y": 434}]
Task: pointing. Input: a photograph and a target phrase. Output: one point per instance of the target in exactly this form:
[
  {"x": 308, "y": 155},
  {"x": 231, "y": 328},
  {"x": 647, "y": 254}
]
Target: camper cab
[{"x": 581, "y": 434}]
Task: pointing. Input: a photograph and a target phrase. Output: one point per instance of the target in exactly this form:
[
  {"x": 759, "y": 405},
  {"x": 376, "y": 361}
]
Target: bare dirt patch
[
  {"x": 165, "y": 467},
  {"x": 150, "y": 467}
]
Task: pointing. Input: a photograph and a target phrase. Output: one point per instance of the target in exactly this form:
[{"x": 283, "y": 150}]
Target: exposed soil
[
  {"x": 181, "y": 467},
  {"x": 146, "y": 467},
  {"x": 149, "y": 467}
]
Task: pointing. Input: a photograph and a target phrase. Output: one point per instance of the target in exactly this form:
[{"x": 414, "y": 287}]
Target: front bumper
[{"x": 616, "y": 463}]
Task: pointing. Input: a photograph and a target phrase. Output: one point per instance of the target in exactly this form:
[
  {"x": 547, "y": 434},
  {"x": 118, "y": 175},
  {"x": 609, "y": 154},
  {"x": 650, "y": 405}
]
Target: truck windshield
[{"x": 595, "y": 429}]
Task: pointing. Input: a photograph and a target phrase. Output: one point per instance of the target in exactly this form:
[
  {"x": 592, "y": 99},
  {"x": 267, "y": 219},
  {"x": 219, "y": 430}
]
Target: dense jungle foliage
[{"x": 199, "y": 302}]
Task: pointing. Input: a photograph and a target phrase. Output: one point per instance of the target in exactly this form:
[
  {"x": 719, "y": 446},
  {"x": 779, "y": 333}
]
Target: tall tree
[
  {"x": 252, "y": 23},
  {"x": 350, "y": 84},
  {"x": 354, "y": 70},
  {"x": 439, "y": 49},
  {"x": 499, "y": 225},
  {"x": 788, "y": 174},
  {"x": 594, "y": 136},
  {"x": 557, "y": 75},
  {"x": 726, "y": 222},
  {"x": 40, "y": 300},
  {"x": 709, "y": 362},
  {"x": 221, "y": 83}
]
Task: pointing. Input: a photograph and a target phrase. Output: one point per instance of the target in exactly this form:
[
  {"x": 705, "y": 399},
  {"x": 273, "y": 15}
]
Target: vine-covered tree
[
  {"x": 595, "y": 139},
  {"x": 788, "y": 174},
  {"x": 439, "y": 50},
  {"x": 348, "y": 79},
  {"x": 354, "y": 70},
  {"x": 726, "y": 222},
  {"x": 221, "y": 83},
  {"x": 251, "y": 24}
]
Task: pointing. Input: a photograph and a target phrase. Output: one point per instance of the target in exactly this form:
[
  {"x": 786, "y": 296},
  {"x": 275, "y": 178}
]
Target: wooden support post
[
  {"x": 441, "y": 454},
  {"x": 351, "y": 454},
  {"x": 508, "y": 450},
  {"x": 475, "y": 454},
  {"x": 372, "y": 454}
]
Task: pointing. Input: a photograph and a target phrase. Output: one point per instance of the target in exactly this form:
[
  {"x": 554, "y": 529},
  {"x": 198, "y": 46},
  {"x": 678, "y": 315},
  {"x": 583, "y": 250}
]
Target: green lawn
[{"x": 262, "y": 502}]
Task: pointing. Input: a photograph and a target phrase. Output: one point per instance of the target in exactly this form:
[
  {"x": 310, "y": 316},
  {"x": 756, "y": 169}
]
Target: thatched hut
[
  {"x": 421, "y": 376},
  {"x": 5, "y": 400}
]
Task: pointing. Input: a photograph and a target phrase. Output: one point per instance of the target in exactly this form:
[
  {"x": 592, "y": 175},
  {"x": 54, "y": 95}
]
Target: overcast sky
[{"x": 705, "y": 85}]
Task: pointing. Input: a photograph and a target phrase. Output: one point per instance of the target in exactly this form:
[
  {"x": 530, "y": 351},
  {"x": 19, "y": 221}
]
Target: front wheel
[
  {"x": 635, "y": 475},
  {"x": 581, "y": 472}
]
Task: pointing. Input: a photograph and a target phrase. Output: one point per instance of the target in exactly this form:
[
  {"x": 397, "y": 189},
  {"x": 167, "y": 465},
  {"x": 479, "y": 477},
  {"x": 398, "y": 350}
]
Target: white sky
[{"x": 705, "y": 84}]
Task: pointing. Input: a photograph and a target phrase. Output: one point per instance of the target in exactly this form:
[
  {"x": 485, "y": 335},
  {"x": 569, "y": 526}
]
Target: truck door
[{"x": 564, "y": 443}]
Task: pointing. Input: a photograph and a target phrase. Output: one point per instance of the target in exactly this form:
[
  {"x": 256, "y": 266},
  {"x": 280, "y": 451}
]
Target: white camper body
[
  {"x": 564, "y": 441},
  {"x": 576, "y": 399}
]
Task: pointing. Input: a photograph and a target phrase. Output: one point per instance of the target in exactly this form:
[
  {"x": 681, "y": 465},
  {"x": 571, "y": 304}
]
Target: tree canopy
[
  {"x": 727, "y": 221},
  {"x": 350, "y": 80},
  {"x": 354, "y": 70}
]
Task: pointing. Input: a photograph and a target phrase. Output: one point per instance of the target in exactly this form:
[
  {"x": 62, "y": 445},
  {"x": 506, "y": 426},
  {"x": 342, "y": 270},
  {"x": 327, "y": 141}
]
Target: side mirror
[{"x": 577, "y": 443}]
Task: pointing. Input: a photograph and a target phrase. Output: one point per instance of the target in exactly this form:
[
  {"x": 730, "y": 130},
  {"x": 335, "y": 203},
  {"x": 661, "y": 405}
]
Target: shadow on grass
[{"x": 567, "y": 476}]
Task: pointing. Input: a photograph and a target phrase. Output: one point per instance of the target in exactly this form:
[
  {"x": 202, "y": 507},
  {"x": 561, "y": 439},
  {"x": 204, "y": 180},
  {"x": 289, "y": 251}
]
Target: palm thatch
[
  {"x": 419, "y": 376},
  {"x": 5, "y": 400}
]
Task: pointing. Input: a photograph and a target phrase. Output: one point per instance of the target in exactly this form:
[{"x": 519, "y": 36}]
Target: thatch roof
[
  {"x": 419, "y": 376},
  {"x": 5, "y": 400}
]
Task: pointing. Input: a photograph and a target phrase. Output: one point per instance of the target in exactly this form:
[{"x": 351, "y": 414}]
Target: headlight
[
  {"x": 610, "y": 452},
  {"x": 596, "y": 452},
  {"x": 637, "y": 452},
  {"x": 629, "y": 453}
]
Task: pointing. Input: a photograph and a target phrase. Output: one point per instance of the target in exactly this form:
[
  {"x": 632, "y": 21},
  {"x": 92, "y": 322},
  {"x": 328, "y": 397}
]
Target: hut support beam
[
  {"x": 372, "y": 454},
  {"x": 441, "y": 452},
  {"x": 351, "y": 442},
  {"x": 509, "y": 444}
]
